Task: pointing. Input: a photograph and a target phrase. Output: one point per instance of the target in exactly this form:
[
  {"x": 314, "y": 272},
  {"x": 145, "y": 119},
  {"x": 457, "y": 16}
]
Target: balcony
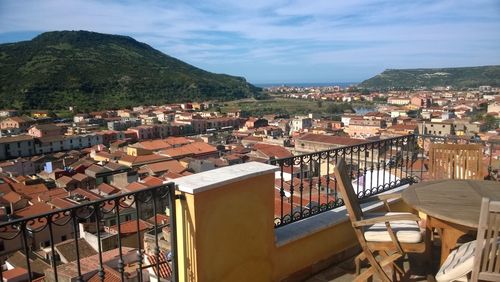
[{"x": 250, "y": 222}]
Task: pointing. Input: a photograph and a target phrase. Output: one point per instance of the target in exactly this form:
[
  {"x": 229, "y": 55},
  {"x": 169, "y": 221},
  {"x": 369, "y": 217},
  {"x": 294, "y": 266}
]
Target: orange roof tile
[
  {"x": 12, "y": 197},
  {"x": 270, "y": 151},
  {"x": 107, "y": 188},
  {"x": 171, "y": 166},
  {"x": 29, "y": 191},
  {"x": 52, "y": 193},
  {"x": 80, "y": 176},
  {"x": 134, "y": 186},
  {"x": 152, "y": 181},
  {"x": 17, "y": 274},
  {"x": 194, "y": 149},
  {"x": 143, "y": 159},
  {"x": 130, "y": 227},
  {"x": 153, "y": 145}
]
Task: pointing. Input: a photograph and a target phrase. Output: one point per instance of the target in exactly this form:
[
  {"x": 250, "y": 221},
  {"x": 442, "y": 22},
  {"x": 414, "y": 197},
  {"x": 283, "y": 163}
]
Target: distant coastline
[{"x": 306, "y": 84}]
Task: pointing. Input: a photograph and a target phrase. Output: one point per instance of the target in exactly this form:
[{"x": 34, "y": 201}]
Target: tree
[
  {"x": 320, "y": 103},
  {"x": 491, "y": 122}
]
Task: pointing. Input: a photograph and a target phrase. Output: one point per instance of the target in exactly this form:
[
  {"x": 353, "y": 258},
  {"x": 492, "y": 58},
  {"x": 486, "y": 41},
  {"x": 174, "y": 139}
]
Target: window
[
  {"x": 44, "y": 244},
  {"x": 128, "y": 217},
  {"x": 112, "y": 222},
  {"x": 2, "y": 247},
  {"x": 63, "y": 238}
]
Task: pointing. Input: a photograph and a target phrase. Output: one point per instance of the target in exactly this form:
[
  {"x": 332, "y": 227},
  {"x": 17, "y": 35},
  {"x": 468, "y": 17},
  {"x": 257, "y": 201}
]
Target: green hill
[
  {"x": 94, "y": 71},
  {"x": 415, "y": 78}
]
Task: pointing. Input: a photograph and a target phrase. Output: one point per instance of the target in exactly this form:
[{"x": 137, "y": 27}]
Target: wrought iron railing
[
  {"x": 129, "y": 264},
  {"x": 306, "y": 185}
]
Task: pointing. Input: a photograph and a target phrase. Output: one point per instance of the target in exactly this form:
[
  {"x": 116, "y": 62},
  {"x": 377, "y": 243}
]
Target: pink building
[{"x": 45, "y": 130}]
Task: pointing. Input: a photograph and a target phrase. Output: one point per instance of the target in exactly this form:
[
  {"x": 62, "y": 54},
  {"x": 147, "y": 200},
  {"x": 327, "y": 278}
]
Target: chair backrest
[
  {"x": 487, "y": 256},
  {"x": 456, "y": 161},
  {"x": 344, "y": 184}
]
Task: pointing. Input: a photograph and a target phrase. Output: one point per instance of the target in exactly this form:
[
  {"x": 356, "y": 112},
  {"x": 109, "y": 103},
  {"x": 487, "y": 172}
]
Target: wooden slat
[{"x": 456, "y": 161}]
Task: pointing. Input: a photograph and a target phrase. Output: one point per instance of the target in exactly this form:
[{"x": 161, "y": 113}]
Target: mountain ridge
[
  {"x": 92, "y": 70},
  {"x": 457, "y": 77}
]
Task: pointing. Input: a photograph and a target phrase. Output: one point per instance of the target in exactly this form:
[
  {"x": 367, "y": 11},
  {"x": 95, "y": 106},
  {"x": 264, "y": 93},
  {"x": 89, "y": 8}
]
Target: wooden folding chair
[
  {"x": 389, "y": 234},
  {"x": 478, "y": 259},
  {"x": 456, "y": 161}
]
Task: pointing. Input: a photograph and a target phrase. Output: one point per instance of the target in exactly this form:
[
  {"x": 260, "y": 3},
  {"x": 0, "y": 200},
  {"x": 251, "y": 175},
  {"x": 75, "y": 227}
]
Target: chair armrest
[
  {"x": 384, "y": 198},
  {"x": 385, "y": 219}
]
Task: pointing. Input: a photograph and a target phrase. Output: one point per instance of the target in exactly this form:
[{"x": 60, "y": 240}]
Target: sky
[{"x": 282, "y": 41}]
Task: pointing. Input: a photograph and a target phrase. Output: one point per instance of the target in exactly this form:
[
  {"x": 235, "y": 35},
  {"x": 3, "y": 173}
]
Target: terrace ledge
[
  {"x": 215, "y": 178},
  {"x": 317, "y": 223}
]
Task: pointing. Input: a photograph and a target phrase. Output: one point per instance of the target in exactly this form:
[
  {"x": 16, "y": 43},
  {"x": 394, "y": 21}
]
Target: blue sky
[{"x": 275, "y": 41}]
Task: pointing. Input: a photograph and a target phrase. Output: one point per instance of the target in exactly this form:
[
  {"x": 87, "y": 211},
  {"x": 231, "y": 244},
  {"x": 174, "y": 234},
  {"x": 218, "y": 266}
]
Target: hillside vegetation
[
  {"x": 90, "y": 70},
  {"x": 458, "y": 78}
]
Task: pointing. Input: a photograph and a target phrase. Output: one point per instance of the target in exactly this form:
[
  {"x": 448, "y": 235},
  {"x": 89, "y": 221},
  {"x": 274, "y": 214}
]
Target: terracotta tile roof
[
  {"x": 172, "y": 175},
  {"x": 165, "y": 269},
  {"x": 173, "y": 141},
  {"x": 160, "y": 219},
  {"x": 107, "y": 188},
  {"x": 5, "y": 188},
  {"x": 130, "y": 227},
  {"x": 153, "y": 145},
  {"x": 17, "y": 274},
  {"x": 29, "y": 191},
  {"x": 35, "y": 209},
  {"x": 12, "y": 197},
  {"x": 67, "y": 249},
  {"x": 52, "y": 194},
  {"x": 114, "y": 166},
  {"x": 253, "y": 138},
  {"x": 334, "y": 140},
  {"x": 65, "y": 180},
  {"x": 143, "y": 159},
  {"x": 171, "y": 166},
  {"x": 193, "y": 149},
  {"x": 61, "y": 203},
  {"x": 135, "y": 186},
  {"x": 272, "y": 151},
  {"x": 18, "y": 259},
  {"x": 110, "y": 275},
  {"x": 80, "y": 177},
  {"x": 151, "y": 181},
  {"x": 90, "y": 264},
  {"x": 97, "y": 168}
]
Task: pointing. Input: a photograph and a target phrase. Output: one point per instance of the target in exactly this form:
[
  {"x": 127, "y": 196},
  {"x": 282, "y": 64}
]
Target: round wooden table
[{"x": 451, "y": 205}]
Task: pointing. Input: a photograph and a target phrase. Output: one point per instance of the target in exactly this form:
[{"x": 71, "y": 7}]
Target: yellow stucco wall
[{"x": 227, "y": 234}]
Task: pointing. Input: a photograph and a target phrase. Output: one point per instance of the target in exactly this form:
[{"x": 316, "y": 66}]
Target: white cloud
[{"x": 218, "y": 34}]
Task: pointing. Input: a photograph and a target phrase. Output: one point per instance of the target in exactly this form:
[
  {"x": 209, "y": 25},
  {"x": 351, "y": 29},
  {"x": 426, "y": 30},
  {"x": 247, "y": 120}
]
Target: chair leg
[
  {"x": 395, "y": 267},
  {"x": 376, "y": 267},
  {"x": 357, "y": 262}
]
